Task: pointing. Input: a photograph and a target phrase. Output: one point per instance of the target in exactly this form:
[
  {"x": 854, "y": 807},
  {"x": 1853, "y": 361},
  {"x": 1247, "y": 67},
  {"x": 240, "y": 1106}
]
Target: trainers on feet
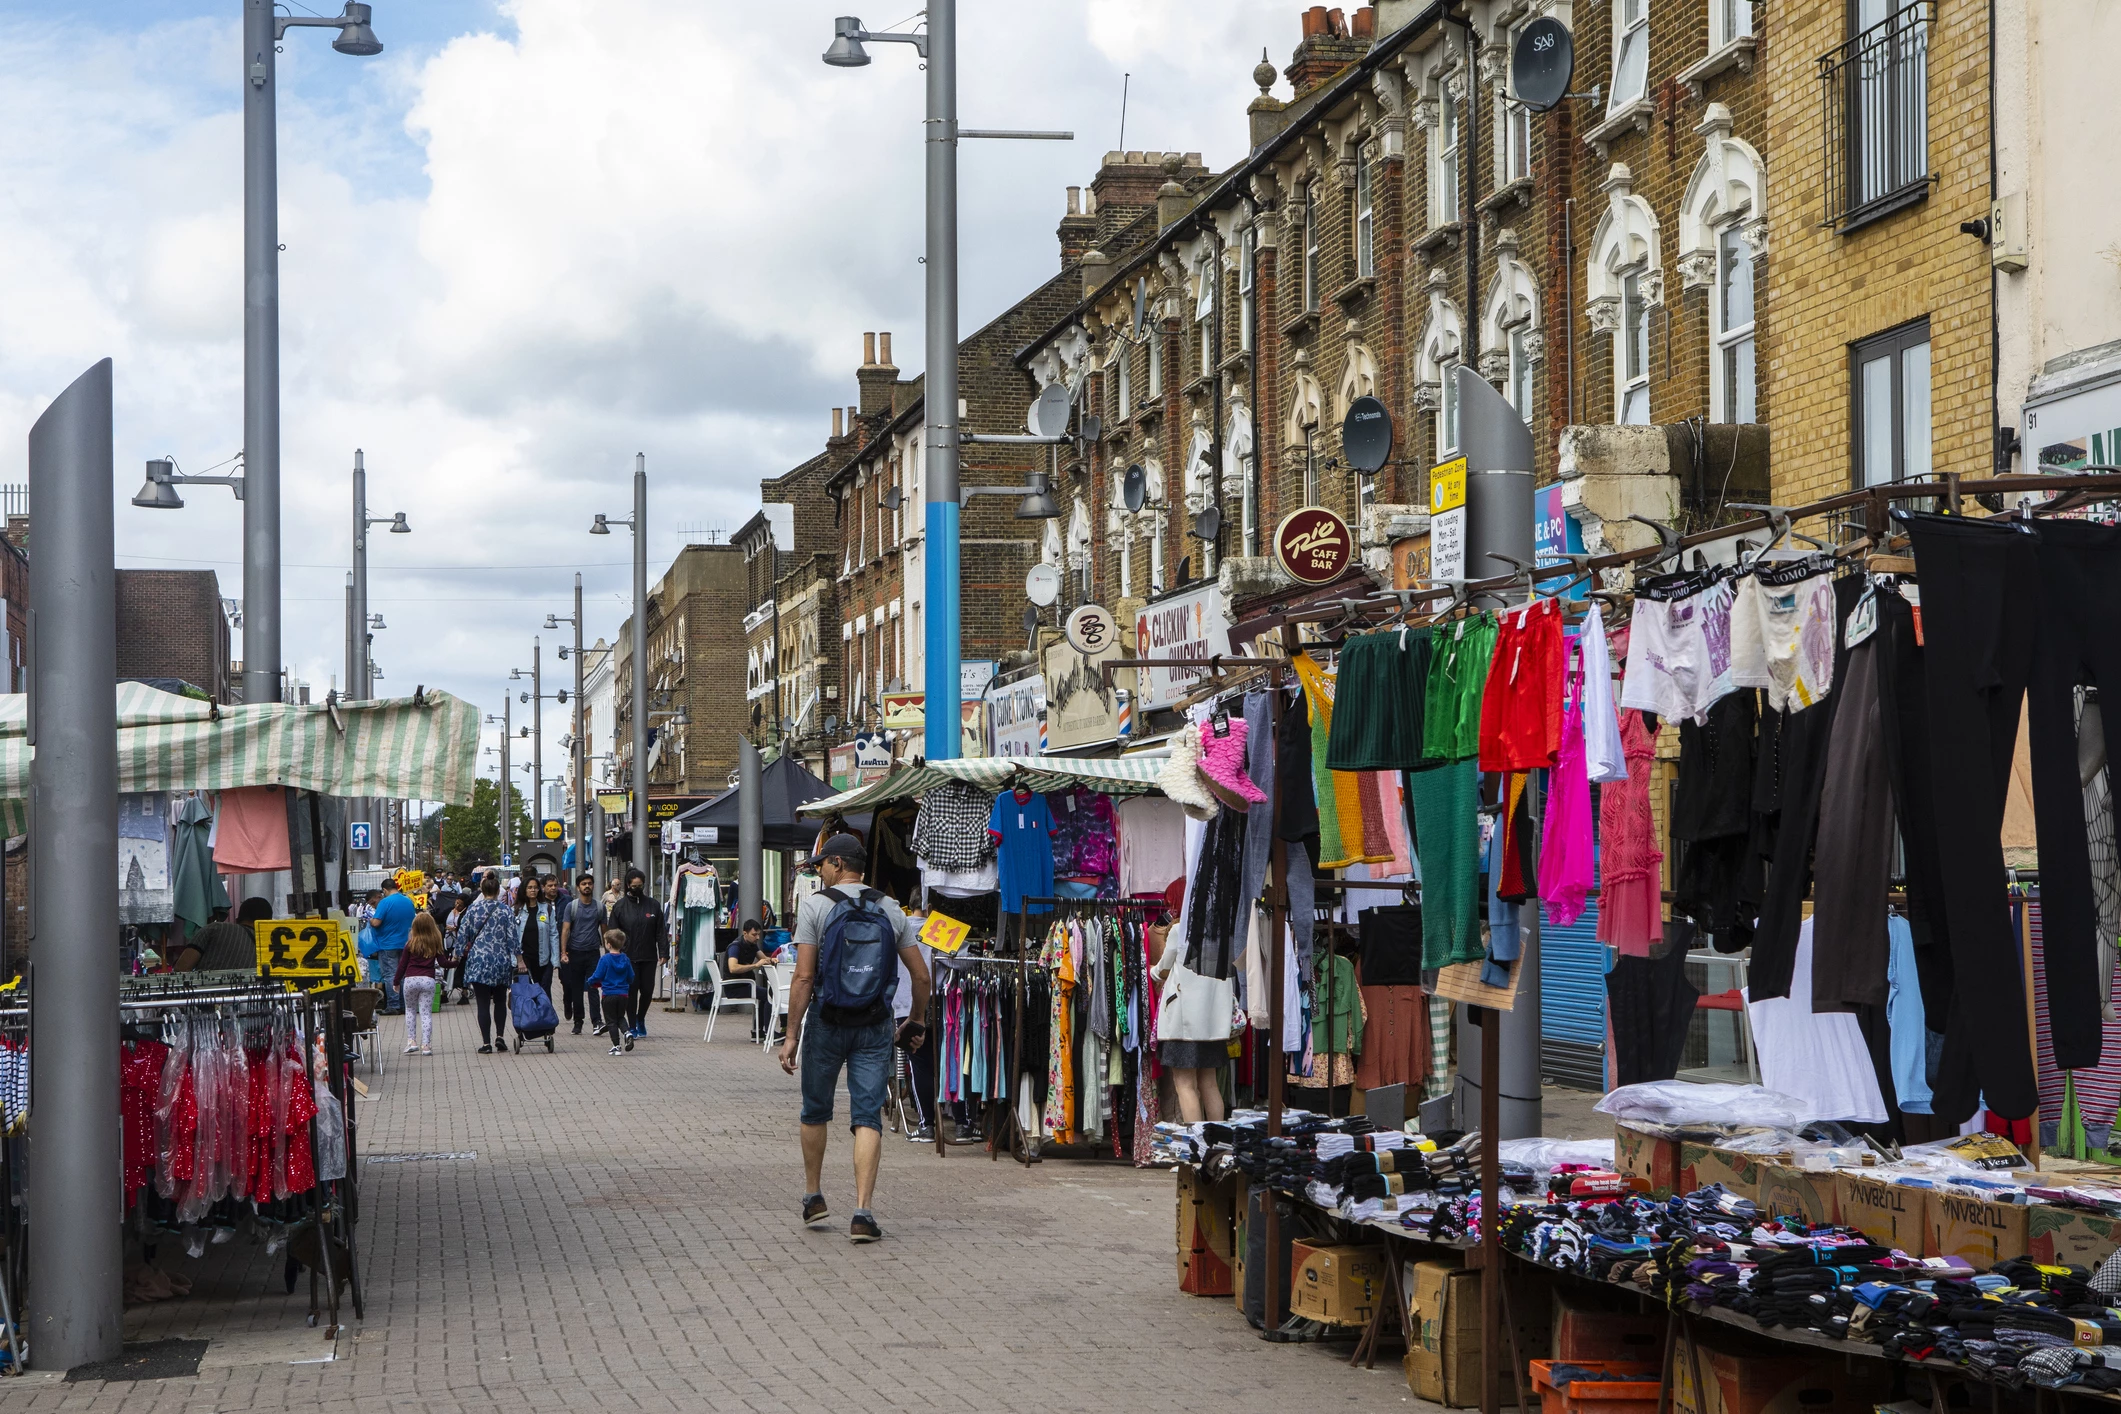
[
  {"x": 629, "y": 1043},
  {"x": 486, "y": 1050},
  {"x": 863, "y": 1229},
  {"x": 814, "y": 1210},
  {"x": 425, "y": 1051},
  {"x": 616, "y": 1051},
  {"x": 410, "y": 1049}
]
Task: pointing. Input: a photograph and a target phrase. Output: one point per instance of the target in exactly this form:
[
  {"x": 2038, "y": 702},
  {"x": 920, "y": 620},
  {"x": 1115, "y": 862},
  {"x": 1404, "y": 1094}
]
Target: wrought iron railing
[{"x": 1875, "y": 89}]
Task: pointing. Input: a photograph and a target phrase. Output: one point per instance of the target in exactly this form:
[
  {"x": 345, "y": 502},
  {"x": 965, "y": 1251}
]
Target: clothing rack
[{"x": 969, "y": 963}]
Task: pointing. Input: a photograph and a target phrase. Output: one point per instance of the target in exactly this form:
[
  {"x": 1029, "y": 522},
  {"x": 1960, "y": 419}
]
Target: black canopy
[{"x": 786, "y": 786}]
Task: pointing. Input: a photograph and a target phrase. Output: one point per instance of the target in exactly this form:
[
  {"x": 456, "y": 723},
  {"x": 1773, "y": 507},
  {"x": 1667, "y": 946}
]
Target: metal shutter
[{"x": 1572, "y": 1025}]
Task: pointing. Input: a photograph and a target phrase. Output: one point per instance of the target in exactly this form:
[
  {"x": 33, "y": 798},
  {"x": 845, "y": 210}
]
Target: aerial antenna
[{"x": 1124, "y": 80}]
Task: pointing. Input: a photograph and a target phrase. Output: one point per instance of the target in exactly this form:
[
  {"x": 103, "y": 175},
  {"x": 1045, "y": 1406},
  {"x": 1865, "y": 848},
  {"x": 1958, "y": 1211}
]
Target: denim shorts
[{"x": 866, "y": 1053}]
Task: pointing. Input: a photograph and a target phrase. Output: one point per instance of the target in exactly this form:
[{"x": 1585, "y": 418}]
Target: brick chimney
[
  {"x": 1330, "y": 43},
  {"x": 1129, "y": 184},
  {"x": 876, "y": 377},
  {"x": 1078, "y": 229}
]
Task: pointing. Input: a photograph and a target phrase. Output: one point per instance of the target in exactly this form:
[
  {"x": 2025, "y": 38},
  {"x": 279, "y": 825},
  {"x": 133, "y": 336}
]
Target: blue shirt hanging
[{"x": 1022, "y": 828}]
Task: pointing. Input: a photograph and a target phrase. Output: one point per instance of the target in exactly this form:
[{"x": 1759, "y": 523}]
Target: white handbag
[{"x": 1196, "y": 1008}]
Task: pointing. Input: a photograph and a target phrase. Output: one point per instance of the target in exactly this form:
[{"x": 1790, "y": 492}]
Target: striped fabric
[
  {"x": 1125, "y": 775},
  {"x": 390, "y": 747}
]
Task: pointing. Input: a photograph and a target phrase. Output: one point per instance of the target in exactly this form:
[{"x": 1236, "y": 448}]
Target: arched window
[
  {"x": 1509, "y": 326},
  {"x": 1624, "y": 281},
  {"x": 1722, "y": 230},
  {"x": 1435, "y": 366}
]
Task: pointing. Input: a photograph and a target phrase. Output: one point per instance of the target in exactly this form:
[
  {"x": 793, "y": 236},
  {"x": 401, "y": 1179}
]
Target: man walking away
[
  {"x": 850, "y": 942},
  {"x": 581, "y": 934},
  {"x": 541, "y": 930},
  {"x": 641, "y": 919},
  {"x": 392, "y": 926}
]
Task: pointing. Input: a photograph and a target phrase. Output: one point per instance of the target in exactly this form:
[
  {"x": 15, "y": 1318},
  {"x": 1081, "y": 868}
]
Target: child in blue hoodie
[{"x": 613, "y": 982}]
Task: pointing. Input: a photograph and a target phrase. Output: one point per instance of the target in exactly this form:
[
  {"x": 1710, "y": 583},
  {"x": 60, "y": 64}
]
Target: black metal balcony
[{"x": 1875, "y": 89}]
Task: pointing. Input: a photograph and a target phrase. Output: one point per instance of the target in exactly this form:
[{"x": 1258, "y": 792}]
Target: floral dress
[{"x": 493, "y": 940}]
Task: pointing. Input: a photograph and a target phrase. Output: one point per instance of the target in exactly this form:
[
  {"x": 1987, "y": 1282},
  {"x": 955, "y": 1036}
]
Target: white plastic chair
[
  {"x": 783, "y": 986},
  {"x": 713, "y": 982}
]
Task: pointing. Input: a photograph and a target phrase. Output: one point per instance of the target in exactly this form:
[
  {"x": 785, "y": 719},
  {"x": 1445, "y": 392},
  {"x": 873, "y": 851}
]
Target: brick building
[
  {"x": 696, "y": 666},
  {"x": 171, "y": 626}
]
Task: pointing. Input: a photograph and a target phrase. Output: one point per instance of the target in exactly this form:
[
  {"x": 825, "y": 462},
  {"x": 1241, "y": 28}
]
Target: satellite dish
[
  {"x": 1134, "y": 490},
  {"x": 1542, "y": 63},
  {"x": 1042, "y": 585},
  {"x": 757, "y": 713},
  {"x": 1030, "y": 619},
  {"x": 1208, "y": 524},
  {"x": 893, "y": 499},
  {"x": 1049, "y": 415},
  {"x": 1091, "y": 427},
  {"x": 832, "y": 722},
  {"x": 1366, "y": 434},
  {"x": 787, "y": 726},
  {"x": 1141, "y": 305}
]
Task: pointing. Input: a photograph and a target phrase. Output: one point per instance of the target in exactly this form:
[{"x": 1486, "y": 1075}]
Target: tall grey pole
[
  {"x": 1498, "y": 449},
  {"x": 353, "y": 635},
  {"x": 580, "y": 763},
  {"x": 537, "y": 736},
  {"x": 76, "y": 1308},
  {"x": 261, "y": 358},
  {"x": 750, "y": 830},
  {"x": 363, "y": 684},
  {"x": 640, "y": 667},
  {"x": 942, "y": 676},
  {"x": 508, "y": 816}
]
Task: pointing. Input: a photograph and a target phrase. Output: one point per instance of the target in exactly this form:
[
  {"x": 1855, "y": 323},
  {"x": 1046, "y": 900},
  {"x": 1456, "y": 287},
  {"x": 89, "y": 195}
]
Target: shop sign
[
  {"x": 973, "y": 678},
  {"x": 553, "y": 829},
  {"x": 1014, "y": 712},
  {"x": 1410, "y": 562},
  {"x": 872, "y": 752},
  {"x": 1313, "y": 545},
  {"x": 1082, "y": 709},
  {"x": 905, "y": 711},
  {"x": 318, "y": 949},
  {"x": 662, "y": 812},
  {"x": 614, "y": 802},
  {"x": 857, "y": 762},
  {"x": 1555, "y": 536},
  {"x": 972, "y": 729},
  {"x": 1192, "y": 624},
  {"x": 1092, "y": 629},
  {"x": 839, "y": 765}
]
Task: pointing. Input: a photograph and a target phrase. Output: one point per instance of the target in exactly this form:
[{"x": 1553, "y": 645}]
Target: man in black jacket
[{"x": 647, "y": 944}]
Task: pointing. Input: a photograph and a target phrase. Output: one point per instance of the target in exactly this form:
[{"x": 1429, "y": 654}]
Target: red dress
[{"x": 1631, "y": 899}]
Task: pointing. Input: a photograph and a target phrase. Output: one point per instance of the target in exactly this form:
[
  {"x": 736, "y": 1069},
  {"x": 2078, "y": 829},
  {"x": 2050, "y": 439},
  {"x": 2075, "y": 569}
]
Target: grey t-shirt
[
  {"x": 810, "y": 918},
  {"x": 585, "y": 925}
]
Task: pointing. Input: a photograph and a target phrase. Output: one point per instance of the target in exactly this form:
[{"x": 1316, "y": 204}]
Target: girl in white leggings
[{"x": 419, "y": 975}]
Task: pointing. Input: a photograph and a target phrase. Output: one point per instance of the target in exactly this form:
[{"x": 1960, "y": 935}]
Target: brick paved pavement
[{"x": 626, "y": 1240}]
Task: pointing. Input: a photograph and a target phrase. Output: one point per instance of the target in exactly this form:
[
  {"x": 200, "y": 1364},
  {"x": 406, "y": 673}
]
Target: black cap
[{"x": 845, "y": 848}]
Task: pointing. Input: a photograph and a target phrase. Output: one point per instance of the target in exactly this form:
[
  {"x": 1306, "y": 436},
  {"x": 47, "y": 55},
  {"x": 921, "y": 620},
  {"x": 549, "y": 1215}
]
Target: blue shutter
[{"x": 1572, "y": 969}]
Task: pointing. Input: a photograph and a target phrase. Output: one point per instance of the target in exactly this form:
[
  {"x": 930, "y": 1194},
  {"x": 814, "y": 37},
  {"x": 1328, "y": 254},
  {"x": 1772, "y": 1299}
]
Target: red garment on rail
[{"x": 139, "y": 1082}]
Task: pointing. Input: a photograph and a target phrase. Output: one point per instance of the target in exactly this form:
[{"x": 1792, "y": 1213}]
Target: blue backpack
[{"x": 857, "y": 964}]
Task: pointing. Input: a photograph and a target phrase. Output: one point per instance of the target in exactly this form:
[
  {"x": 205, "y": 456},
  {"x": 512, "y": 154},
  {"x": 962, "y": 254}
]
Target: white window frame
[
  {"x": 1631, "y": 384},
  {"x": 1730, "y": 404},
  {"x": 1445, "y": 142},
  {"x": 1631, "y": 42},
  {"x": 1310, "y": 247},
  {"x": 1247, "y": 277},
  {"x": 1447, "y": 419},
  {"x": 1899, "y": 427},
  {"x": 1729, "y": 20},
  {"x": 1204, "y": 312},
  {"x": 1155, "y": 335},
  {"x": 1123, "y": 386},
  {"x": 1518, "y": 388},
  {"x": 1365, "y": 215}
]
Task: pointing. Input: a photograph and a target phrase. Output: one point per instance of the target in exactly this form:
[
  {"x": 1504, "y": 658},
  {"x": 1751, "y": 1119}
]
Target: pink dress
[
  {"x": 1566, "y": 870},
  {"x": 1630, "y": 906}
]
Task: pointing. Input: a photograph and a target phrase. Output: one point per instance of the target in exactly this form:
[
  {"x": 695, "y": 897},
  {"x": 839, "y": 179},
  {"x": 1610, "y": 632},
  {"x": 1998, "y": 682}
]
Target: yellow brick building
[{"x": 1877, "y": 350}]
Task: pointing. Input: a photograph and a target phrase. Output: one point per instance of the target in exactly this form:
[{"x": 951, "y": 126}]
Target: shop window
[
  {"x": 1631, "y": 53},
  {"x": 1891, "y": 403},
  {"x": 1736, "y": 381}
]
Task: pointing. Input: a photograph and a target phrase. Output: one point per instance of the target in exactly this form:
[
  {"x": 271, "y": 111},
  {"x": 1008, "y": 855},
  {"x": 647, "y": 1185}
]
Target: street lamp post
[
  {"x": 578, "y": 747},
  {"x": 537, "y": 699},
  {"x": 507, "y": 824},
  {"x": 263, "y": 29},
  {"x": 362, "y": 683},
  {"x": 942, "y": 677},
  {"x": 639, "y": 523}
]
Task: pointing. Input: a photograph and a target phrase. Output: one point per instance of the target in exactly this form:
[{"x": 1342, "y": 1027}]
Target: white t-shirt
[{"x": 1817, "y": 1057}]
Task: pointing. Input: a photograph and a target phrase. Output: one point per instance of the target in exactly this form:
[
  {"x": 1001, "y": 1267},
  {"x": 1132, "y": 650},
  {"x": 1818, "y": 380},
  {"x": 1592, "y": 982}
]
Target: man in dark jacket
[{"x": 647, "y": 943}]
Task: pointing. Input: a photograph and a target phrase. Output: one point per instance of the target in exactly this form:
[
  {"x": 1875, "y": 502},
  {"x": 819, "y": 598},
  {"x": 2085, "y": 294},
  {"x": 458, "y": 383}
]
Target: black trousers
[
  {"x": 580, "y": 1003},
  {"x": 492, "y": 1004},
  {"x": 1853, "y": 864},
  {"x": 643, "y": 989},
  {"x": 2079, "y": 644},
  {"x": 1980, "y": 603}
]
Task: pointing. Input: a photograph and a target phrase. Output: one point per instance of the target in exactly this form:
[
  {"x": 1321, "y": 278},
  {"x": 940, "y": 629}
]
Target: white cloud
[{"x": 652, "y": 225}]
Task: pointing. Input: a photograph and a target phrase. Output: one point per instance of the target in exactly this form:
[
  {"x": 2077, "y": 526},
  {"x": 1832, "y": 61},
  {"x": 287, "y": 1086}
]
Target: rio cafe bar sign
[{"x": 1313, "y": 545}]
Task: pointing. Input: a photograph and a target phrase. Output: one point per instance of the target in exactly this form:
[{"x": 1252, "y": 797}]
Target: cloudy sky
[{"x": 530, "y": 239}]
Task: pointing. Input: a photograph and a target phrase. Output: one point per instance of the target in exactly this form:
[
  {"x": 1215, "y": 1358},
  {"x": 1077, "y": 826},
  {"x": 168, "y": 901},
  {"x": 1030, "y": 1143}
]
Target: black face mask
[{"x": 633, "y": 889}]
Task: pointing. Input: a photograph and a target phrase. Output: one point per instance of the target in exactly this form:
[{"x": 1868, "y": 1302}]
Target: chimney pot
[
  {"x": 1336, "y": 23},
  {"x": 1075, "y": 201},
  {"x": 1365, "y": 23},
  {"x": 1315, "y": 21},
  {"x": 868, "y": 350},
  {"x": 885, "y": 357},
  {"x": 837, "y": 429}
]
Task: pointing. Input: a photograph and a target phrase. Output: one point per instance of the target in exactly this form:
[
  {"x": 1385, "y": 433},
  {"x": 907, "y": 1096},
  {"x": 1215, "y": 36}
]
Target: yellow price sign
[
  {"x": 1447, "y": 486},
  {"x": 944, "y": 933},
  {"x": 304, "y": 948}
]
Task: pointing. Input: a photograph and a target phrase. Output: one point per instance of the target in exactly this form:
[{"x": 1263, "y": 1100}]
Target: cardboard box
[
  {"x": 1982, "y": 1232},
  {"x": 1701, "y": 1165},
  {"x": 1584, "y": 1332},
  {"x": 1888, "y": 1214},
  {"x": 2063, "y": 1237},
  {"x": 1207, "y": 1232},
  {"x": 1645, "y": 1156},
  {"x": 1340, "y": 1286},
  {"x": 1443, "y": 1353},
  {"x": 1797, "y": 1193},
  {"x": 1775, "y": 1384}
]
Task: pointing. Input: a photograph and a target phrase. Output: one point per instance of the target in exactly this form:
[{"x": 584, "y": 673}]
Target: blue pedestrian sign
[{"x": 357, "y": 834}]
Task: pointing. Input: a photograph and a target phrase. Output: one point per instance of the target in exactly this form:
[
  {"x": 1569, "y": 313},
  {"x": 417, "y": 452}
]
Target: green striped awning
[
  {"x": 392, "y": 747},
  {"x": 1113, "y": 775}
]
